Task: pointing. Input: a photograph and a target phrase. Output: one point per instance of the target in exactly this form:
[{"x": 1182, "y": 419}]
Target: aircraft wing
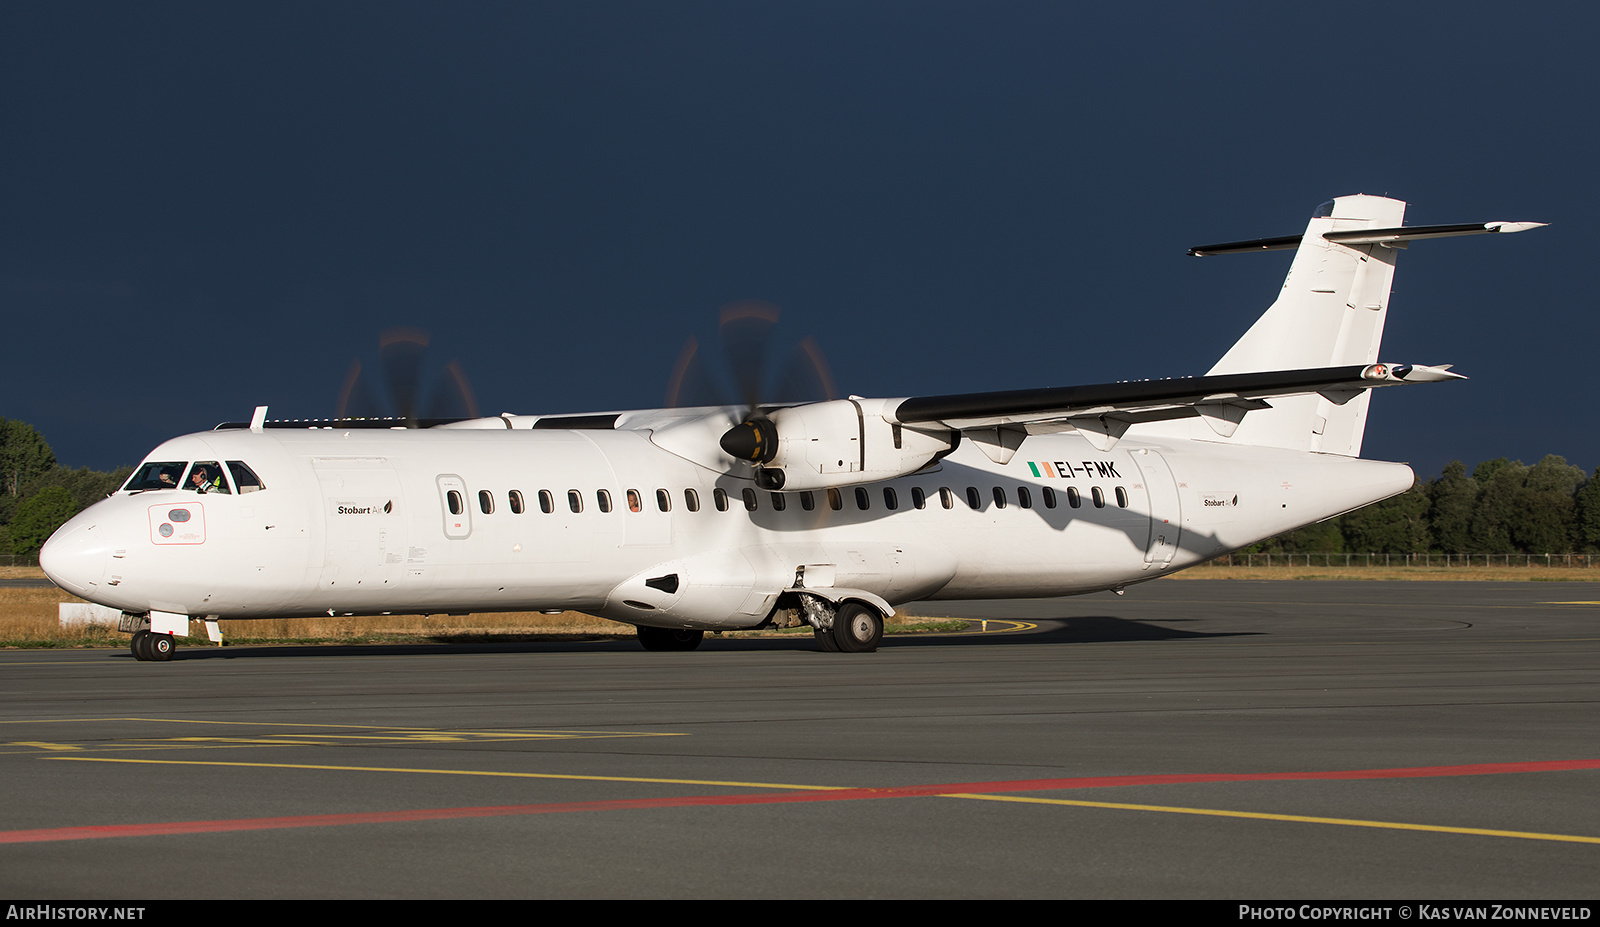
[{"x": 1104, "y": 411}]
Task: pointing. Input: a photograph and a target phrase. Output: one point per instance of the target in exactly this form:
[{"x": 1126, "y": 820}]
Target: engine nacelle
[{"x": 837, "y": 443}]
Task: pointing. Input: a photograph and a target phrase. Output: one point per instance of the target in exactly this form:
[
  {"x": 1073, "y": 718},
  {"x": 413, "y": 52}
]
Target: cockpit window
[
  {"x": 206, "y": 476},
  {"x": 244, "y": 477},
  {"x": 156, "y": 475}
]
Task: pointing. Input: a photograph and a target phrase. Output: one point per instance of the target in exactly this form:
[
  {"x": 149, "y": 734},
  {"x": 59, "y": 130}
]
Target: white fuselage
[{"x": 360, "y": 522}]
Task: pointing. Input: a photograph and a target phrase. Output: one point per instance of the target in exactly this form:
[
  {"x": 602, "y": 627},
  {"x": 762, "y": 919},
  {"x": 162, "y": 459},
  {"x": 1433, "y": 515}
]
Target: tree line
[
  {"x": 37, "y": 495},
  {"x": 1501, "y": 507}
]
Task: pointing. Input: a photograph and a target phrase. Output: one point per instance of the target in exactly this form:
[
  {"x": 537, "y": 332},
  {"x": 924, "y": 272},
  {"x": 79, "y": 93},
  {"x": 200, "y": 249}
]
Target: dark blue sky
[{"x": 212, "y": 206}]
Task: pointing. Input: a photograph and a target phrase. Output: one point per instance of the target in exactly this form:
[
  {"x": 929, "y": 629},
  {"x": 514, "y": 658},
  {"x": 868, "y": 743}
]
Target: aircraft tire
[
  {"x": 160, "y": 646},
  {"x": 857, "y": 629},
  {"x": 669, "y": 639},
  {"x": 140, "y": 638},
  {"x": 825, "y": 640}
]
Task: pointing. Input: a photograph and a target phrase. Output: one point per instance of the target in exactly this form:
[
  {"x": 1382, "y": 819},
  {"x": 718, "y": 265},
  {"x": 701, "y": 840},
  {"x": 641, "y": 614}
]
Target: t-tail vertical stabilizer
[{"x": 1330, "y": 313}]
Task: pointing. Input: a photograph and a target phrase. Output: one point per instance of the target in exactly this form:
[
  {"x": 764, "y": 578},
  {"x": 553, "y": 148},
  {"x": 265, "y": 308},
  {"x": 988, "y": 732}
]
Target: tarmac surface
[{"x": 1411, "y": 741}]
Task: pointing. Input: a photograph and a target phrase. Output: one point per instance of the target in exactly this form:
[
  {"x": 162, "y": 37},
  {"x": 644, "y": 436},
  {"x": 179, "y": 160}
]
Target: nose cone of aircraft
[{"x": 75, "y": 556}]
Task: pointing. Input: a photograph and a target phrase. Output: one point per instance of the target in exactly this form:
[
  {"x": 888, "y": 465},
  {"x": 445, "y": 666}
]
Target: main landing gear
[
  {"x": 147, "y": 645},
  {"x": 856, "y": 629},
  {"x": 852, "y": 628},
  {"x": 669, "y": 638}
]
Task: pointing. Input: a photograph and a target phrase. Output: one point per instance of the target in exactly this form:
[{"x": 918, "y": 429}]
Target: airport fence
[
  {"x": 19, "y": 559},
  {"x": 1423, "y": 559}
]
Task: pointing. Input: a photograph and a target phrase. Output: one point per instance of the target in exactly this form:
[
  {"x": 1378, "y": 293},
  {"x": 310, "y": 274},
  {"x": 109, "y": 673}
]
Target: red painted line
[
  {"x": 100, "y": 832},
  {"x": 97, "y": 832}
]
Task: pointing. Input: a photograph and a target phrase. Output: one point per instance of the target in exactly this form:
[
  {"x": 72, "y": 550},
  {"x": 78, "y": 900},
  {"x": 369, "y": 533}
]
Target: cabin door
[
  {"x": 1166, "y": 522},
  {"x": 364, "y": 514}
]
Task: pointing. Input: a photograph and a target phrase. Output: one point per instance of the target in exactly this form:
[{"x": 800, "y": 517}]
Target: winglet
[{"x": 1415, "y": 373}]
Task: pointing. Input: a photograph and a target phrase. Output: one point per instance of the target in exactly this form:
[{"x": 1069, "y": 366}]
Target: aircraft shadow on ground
[
  {"x": 1077, "y": 629},
  {"x": 435, "y": 648}
]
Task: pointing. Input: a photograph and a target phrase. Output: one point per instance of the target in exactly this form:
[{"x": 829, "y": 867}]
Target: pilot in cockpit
[{"x": 201, "y": 480}]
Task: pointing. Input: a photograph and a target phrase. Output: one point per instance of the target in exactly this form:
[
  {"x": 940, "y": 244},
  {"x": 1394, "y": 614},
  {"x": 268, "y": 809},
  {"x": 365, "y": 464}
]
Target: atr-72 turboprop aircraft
[{"x": 680, "y": 521}]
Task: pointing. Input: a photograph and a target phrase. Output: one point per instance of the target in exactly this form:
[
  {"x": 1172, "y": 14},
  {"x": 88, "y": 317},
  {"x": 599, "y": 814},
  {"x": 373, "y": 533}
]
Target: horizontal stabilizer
[
  {"x": 1281, "y": 243},
  {"x": 1368, "y": 236}
]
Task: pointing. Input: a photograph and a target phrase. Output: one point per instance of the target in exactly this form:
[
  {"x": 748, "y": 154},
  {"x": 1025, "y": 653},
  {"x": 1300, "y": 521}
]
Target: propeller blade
[
  {"x": 401, "y": 349},
  {"x": 746, "y": 335},
  {"x": 400, "y": 353},
  {"x": 355, "y": 397},
  {"x": 805, "y": 377},
  {"x": 691, "y": 384},
  {"x": 452, "y": 395},
  {"x": 746, "y": 330}
]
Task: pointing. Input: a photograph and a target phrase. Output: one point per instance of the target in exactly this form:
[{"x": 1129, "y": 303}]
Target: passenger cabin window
[
  {"x": 863, "y": 501},
  {"x": 1024, "y": 498},
  {"x": 663, "y": 500},
  {"x": 547, "y": 502},
  {"x": 835, "y": 499},
  {"x": 779, "y": 502},
  {"x": 604, "y": 498},
  {"x": 486, "y": 502},
  {"x": 890, "y": 500},
  {"x": 808, "y": 501},
  {"x": 691, "y": 500},
  {"x": 153, "y": 475},
  {"x": 974, "y": 501},
  {"x": 946, "y": 497},
  {"x": 634, "y": 503},
  {"x": 575, "y": 501},
  {"x": 999, "y": 498},
  {"x": 720, "y": 498},
  {"x": 1122, "y": 497},
  {"x": 453, "y": 500},
  {"x": 206, "y": 476},
  {"x": 749, "y": 500},
  {"x": 1049, "y": 497},
  {"x": 514, "y": 497},
  {"x": 1073, "y": 498},
  {"x": 244, "y": 478},
  {"x": 918, "y": 498},
  {"x": 1099, "y": 498}
]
